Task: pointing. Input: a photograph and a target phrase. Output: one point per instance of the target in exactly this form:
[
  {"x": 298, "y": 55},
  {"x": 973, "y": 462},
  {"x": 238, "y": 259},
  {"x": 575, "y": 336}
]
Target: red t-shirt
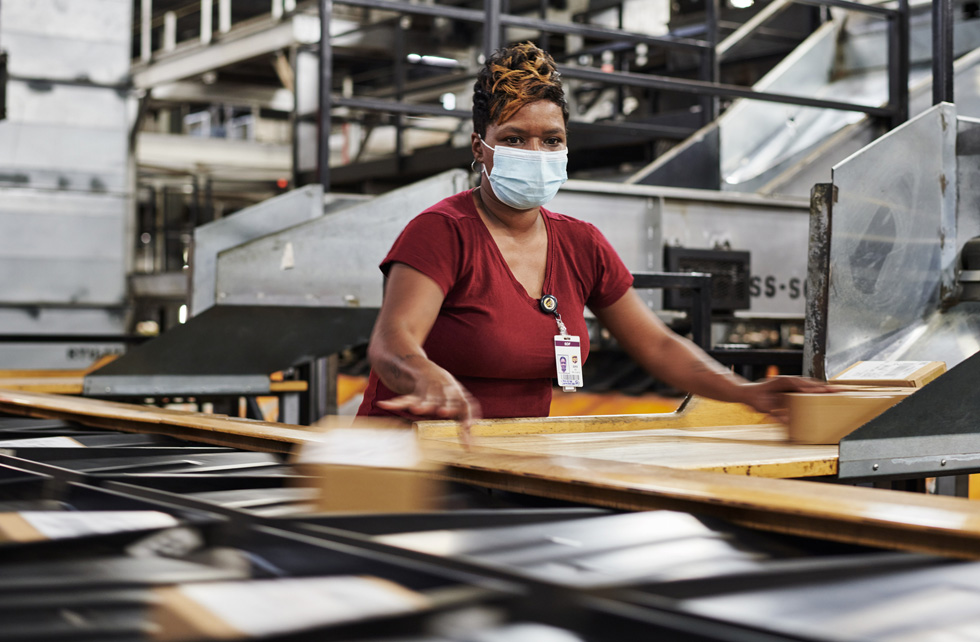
[{"x": 490, "y": 334}]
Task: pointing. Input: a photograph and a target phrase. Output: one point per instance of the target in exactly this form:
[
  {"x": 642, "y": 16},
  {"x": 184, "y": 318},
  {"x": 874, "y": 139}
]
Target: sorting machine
[{"x": 113, "y": 517}]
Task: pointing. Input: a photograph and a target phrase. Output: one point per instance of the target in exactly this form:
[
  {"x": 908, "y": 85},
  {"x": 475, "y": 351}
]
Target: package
[
  {"x": 902, "y": 374},
  {"x": 826, "y": 418},
  {"x": 371, "y": 470},
  {"x": 36, "y": 526},
  {"x": 239, "y": 610}
]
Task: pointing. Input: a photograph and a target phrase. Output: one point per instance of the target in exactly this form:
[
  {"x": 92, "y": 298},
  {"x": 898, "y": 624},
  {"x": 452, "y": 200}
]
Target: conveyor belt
[
  {"x": 476, "y": 573},
  {"x": 848, "y": 514}
]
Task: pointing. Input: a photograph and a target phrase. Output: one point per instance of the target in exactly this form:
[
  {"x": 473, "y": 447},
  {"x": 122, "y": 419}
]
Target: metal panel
[
  {"x": 694, "y": 163},
  {"x": 967, "y": 179},
  {"x": 639, "y": 220},
  {"x": 250, "y": 223},
  {"x": 330, "y": 261},
  {"x": 798, "y": 176},
  {"x": 64, "y": 137},
  {"x": 631, "y": 223},
  {"x": 754, "y": 138},
  {"x": 54, "y": 356},
  {"x": 90, "y": 107},
  {"x": 221, "y": 347},
  {"x": 892, "y": 251},
  {"x": 775, "y": 235},
  {"x": 934, "y": 431},
  {"x": 62, "y": 247},
  {"x": 863, "y": 49},
  {"x": 81, "y": 39},
  {"x": 785, "y": 149},
  {"x": 61, "y": 320},
  {"x": 183, "y": 384}
]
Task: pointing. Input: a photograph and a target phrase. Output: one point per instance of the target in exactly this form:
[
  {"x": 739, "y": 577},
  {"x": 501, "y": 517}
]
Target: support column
[
  {"x": 170, "y": 31},
  {"x": 709, "y": 59},
  {"x": 491, "y": 28},
  {"x": 326, "y": 75},
  {"x": 942, "y": 51},
  {"x": 898, "y": 64},
  {"x": 207, "y": 28},
  {"x": 224, "y": 16},
  {"x": 146, "y": 30}
]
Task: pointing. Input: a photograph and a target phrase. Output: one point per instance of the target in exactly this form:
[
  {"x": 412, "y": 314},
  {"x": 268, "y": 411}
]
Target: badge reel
[{"x": 568, "y": 349}]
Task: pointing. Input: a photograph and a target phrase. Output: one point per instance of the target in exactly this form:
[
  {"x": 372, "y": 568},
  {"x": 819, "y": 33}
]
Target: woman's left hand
[{"x": 767, "y": 396}]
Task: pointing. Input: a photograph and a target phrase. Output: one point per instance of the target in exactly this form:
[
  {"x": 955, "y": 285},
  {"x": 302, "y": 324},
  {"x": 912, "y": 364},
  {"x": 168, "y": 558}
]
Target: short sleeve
[
  {"x": 612, "y": 278},
  {"x": 430, "y": 244}
]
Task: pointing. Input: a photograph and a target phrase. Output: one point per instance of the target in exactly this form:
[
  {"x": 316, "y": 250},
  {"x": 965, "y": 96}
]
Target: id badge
[{"x": 568, "y": 361}]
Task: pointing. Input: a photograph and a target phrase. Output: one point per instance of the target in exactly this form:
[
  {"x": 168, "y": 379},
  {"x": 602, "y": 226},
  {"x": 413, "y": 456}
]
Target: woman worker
[{"x": 479, "y": 285}]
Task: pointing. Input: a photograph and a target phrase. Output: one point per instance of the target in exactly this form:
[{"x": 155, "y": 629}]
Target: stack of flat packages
[{"x": 872, "y": 387}]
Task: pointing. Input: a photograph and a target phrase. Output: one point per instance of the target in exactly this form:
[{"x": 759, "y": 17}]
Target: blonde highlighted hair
[{"x": 511, "y": 78}]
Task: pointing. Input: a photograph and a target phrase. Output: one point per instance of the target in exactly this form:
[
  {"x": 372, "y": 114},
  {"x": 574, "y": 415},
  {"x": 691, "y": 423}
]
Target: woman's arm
[
  {"x": 411, "y": 304},
  {"x": 682, "y": 364}
]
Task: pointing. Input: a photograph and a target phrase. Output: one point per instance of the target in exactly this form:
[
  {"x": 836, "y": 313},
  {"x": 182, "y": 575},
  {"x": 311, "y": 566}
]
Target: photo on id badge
[{"x": 568, "y": 362}]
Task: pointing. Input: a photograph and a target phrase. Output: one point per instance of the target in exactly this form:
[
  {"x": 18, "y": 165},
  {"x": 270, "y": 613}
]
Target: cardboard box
[
  {"x": 902, "y": 374},
  {"x": 371, "y": 470},
  {"x": 249, "y": 609},
  {"x": 826, "y": 418}
]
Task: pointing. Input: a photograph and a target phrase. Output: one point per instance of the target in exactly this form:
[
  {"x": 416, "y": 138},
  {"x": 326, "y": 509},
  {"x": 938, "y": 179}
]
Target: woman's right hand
[
  {"x": 411, "y": 304},
  {"x": 437, "y": 393}
]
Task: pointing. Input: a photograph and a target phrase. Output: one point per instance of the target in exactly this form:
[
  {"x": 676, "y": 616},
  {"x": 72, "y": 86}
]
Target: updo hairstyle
[{"x": 511, "y": 78}]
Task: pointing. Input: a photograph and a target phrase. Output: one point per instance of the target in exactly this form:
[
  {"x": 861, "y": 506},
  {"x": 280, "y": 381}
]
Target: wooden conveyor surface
[
  {"x": 702, "y": 435},
  {"x": 905, "y": 521}
]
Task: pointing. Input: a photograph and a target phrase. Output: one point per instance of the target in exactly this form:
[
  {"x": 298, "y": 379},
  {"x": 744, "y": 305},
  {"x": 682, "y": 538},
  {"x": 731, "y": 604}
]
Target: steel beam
[
  {"x": 472, "y": 15},
  {"x": 193, "y": 59},
  {"x": 851, "y": 6},
  {"x": 589, "y": 31},
  {"x": 373, "y": 104},
  {"x": 272, "y": 98},
  {"x": 712, "y": 89}
]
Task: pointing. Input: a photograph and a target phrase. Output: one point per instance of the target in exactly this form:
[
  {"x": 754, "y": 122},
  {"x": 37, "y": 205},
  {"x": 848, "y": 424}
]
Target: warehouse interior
[{"x": 195, "y": 196}]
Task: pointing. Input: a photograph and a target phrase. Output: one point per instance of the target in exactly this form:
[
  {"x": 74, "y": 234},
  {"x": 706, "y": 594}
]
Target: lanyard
[{"x": 568, "y": 356}]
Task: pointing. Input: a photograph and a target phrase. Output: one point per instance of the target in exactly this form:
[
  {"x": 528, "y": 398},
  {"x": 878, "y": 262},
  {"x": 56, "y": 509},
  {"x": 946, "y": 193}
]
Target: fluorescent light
[
  {"x": 741, "y": 4},
  {"x": 448, "y": 101},
  {"x": 182, "y": 314},
  {"x": 435, "y": 61}
]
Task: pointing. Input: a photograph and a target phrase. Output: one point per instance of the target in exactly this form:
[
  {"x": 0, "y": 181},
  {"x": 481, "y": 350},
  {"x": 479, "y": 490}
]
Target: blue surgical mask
[{"x": 524, "y": 178}]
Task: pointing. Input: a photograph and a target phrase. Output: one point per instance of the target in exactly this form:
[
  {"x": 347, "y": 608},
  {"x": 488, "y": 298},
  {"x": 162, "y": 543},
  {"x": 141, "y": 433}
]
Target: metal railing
[{"x": 708, "y": 51}]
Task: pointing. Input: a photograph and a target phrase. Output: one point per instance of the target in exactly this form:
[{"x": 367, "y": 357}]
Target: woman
[{"x": 479, "y": 285}]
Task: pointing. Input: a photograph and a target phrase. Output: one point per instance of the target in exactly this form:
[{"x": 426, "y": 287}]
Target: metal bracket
[
  {"x": 935, "y": 431},
  {"x": 700, "y": 286}
]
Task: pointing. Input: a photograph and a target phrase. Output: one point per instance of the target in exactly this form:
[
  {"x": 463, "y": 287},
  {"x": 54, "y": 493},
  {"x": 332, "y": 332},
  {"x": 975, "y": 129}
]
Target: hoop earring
[{"x": 473, "y": 166}]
